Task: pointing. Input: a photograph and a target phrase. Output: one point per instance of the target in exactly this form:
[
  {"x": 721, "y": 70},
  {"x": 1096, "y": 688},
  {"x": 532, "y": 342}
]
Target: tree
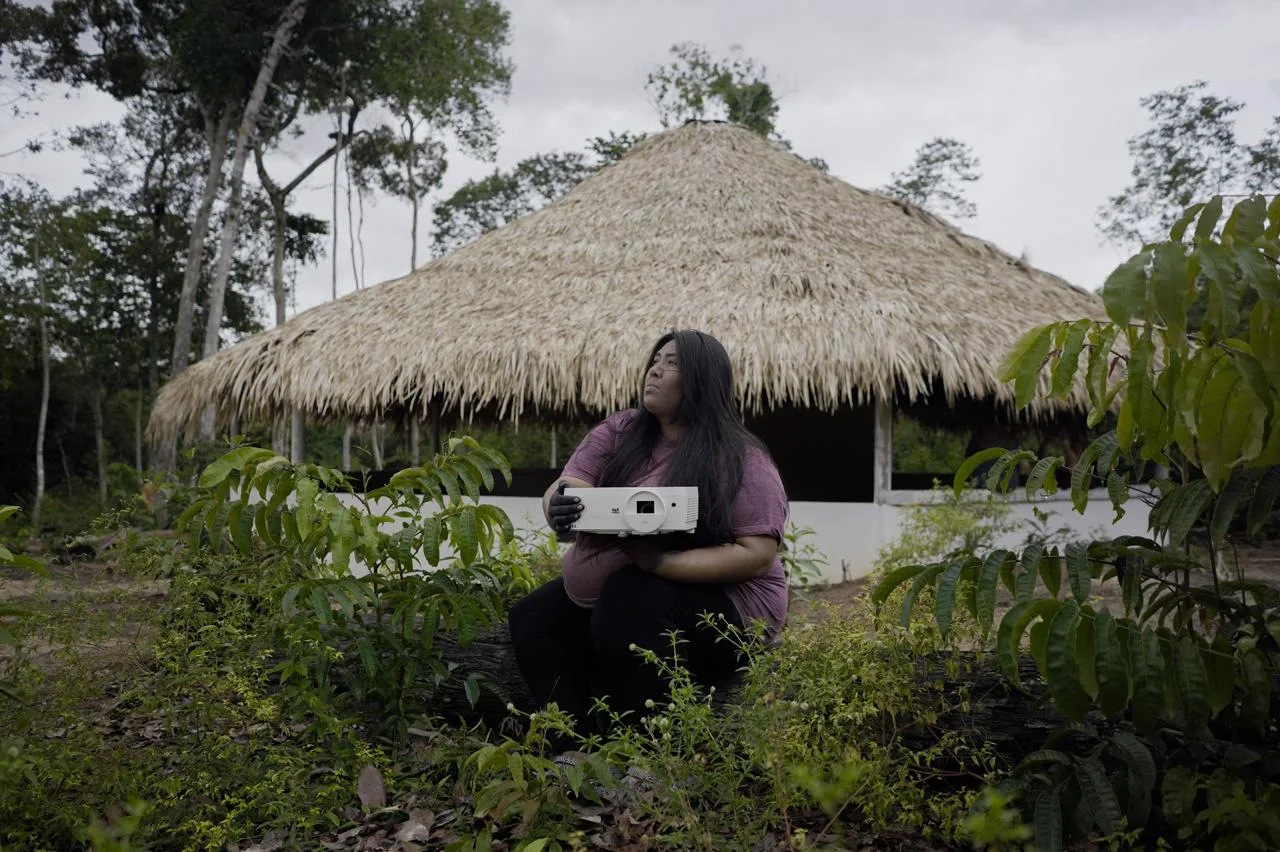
[
  {"x": 434, "y": 79},
  {"x": 1189, "y": 152},
  {"x": 935, "y": 179},
  {"x": 1186, "y": 672},
  {"x": 696, "y": 84}
]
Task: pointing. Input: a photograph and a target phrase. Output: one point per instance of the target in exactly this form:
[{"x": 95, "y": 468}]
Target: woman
[{"x": 573, "y": 636}]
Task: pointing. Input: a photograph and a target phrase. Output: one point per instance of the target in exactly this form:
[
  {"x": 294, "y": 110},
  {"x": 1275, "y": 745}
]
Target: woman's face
[{"x": 662, "y": 393}]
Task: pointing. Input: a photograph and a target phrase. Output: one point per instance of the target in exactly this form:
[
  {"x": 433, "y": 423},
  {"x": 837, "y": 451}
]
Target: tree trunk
[
  {"x": 280, "y": 223},
  {"x": 244, "y": 144},
  {"x": 99, "y": 441},
  {"x": 280, "y": 434},
  {"x": 346, "y": 448},
  {"x": 153, "y": 339},
  {"x": 43, "y": 417},
  {"x": 413, "y": 203},
  {"x": 375, "y": 442},
  {"x": 297, "y": 443},
  {"x": 195, "y": 244},
  {"x": 137, "y": 431}
]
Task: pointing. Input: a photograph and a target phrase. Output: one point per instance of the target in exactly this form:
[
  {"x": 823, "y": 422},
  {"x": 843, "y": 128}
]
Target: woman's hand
[
  {"x": 645, "y": 551},
  {"x": 563, "y": 512}
]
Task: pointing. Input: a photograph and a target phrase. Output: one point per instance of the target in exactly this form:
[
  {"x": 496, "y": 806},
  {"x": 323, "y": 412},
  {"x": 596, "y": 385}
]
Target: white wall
[{"x": 850, "y": 534}]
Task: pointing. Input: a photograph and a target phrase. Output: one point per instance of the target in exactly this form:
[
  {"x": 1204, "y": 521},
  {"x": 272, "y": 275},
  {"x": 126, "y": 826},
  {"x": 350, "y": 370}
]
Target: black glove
[{"x": 562, "y": 513}]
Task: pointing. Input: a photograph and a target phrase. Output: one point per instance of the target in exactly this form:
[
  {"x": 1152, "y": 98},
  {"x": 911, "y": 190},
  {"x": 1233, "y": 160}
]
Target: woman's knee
[
  {"x": 630, "y": 608},
  {"x": 536, "y": 613}
]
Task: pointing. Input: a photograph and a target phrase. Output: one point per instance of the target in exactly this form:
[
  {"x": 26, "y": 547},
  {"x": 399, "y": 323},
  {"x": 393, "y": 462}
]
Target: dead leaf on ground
[{"x": 370, "y": 789}]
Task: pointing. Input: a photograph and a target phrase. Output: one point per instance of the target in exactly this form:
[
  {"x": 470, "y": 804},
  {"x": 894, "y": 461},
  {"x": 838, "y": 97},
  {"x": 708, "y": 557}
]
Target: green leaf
[
  {"x": 988, "y": 576},
  {"x": 219, "y": 470},
  {"x": 431, "y": 534},
  {"x": 1001, "y": 473},
  {"x": 1178, "y": 796},
  {"x": 1192, "y": 683},
  {"x": 1042, "y": 477},
  {"x": 1218, "y": 265},
  {"x": 1012, "y": 626},
  {"x": 240, "y": 525},
  {"x": 1257, "y": 682},
  {"x": 1220, "y": 673},
  {"x": 7, "y": 511},
  {"x": 1118, "y": 491},
  {"x": 494, "y": 516},
  {"x": 466, "y": 531},
  {"x": 1141, "y": 771},
  {"x": 892, "y": 581},
  {"x": 1085, "y": 653},
  {"x": 1131, "y": 583},
  {"x": 1195, "y": 498},
  {"x": 1078, "y": 575},
  {"x": 1051, "y": 573},
  {"x": 1109, "y": 666},
  {"x": 1172, "y": 287},
  {"x": 1082, "y": 476},
  {"x": 944, "y": 596},
  {"x": 1147, "y": 664},
  {"x": 1031, "y": 361},
  {"x": 480, "y": 469},
  {"x": 1247, "y": 221},
  {"x": 1038, "y": 644},
  {"x": 924, "y": 578},
  {"x": 969, "y": 465},
  {"x": 1125, "y": 291},
  {"x": 1273, "y": 216},
  {"x": 1029, "y": 342},
  {"x": 1100, "y": 795},
  {"x": 1179, "y": 228},
  {"x": 320, "y": 605},
  {"x": 1068, "y": 362},
  {"x": 1260, "y": 271},
  {"x": 1060, "y": 656},
  {"x": 305, "y": 511},
  {"x": 467, "y": 476},
  {"x": 1048, "y": 821},
  {"x": 1264, "y": 497},
  {"x": 472, "y": 686},
  {"x": 1239, "y": 485},
  {"x": 1209, "y": 219}
]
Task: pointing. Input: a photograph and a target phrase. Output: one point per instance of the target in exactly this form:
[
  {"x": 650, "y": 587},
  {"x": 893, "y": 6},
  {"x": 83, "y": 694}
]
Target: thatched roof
[{"x": 822, "y": 292}]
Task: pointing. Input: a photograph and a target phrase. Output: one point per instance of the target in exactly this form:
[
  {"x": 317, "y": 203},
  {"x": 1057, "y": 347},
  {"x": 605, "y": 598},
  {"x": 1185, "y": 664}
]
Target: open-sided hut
[{"x": 836, "y": 304}]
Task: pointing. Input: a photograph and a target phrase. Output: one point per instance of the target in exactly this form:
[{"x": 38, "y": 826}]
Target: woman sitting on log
[{"x": 573, "y": 637}]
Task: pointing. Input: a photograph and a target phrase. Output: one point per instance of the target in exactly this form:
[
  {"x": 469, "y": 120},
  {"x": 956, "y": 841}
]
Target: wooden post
[
  {"x": 553, "y": 447},
  {"x": 436, "y": 441},
  {"x": 415, "y": 442},
  {"x": 883, "y": 449},
  {"x": 298, "y": 437}
]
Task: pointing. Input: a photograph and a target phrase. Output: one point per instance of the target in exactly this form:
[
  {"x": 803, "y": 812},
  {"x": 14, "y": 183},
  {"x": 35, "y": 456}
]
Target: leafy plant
[
  {"x": 375, "y": 576},
  {"x": 801, "y": 559},
  {"x": 1175, "y": 691}
]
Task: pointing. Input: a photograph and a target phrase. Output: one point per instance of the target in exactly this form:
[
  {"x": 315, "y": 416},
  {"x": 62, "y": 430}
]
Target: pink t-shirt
[{"x": 760, "y": 509}]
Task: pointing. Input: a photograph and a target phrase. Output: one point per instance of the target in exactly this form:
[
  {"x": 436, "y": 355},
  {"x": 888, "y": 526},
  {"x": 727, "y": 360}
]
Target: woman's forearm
[{"x": 726, "y": 563}]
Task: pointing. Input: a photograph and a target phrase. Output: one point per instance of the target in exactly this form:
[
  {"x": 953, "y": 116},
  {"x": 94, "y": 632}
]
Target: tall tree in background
[
  {"x": 441, "y": 63},
  {"x": 1189, "y": 154},
  {"x": 695, "y": 85},
  {"x": 935, "y": 179}
]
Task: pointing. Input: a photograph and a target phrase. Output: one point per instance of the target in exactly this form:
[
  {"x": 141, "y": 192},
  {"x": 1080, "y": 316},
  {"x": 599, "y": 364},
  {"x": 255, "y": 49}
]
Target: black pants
[{"x": 571, "y": 655}]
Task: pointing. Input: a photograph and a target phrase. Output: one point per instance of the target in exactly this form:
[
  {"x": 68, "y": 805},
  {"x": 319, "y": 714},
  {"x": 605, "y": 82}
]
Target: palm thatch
[{"x": 823, "y": 293}]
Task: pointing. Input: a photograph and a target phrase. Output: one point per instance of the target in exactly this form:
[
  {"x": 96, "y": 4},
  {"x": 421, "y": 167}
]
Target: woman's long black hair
[{"x": 711, "y": 453}]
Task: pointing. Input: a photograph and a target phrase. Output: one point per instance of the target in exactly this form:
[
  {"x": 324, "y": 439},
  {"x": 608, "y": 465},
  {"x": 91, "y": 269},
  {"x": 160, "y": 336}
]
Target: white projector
[{"x": 636, "y": 511}]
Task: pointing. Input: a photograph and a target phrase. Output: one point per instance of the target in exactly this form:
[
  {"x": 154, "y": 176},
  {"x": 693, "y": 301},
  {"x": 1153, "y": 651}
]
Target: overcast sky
[{"x": 1045, "y": 91}]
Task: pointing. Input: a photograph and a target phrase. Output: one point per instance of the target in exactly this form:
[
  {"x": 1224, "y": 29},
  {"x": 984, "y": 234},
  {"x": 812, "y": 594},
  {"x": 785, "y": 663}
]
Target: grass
[{"x": 149, "y": 717}]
